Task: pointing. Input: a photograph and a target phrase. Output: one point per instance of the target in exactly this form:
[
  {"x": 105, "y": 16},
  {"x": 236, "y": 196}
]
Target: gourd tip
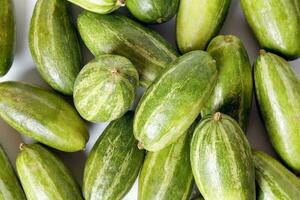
[
  {"x": 262, "y": 52},
  {"x": 140, "y": 145},
  {"x": 217, "y": 116},
  {"x": 159, "y": 20},
  {"x": 121, "y": 3},
  {"x": 114, "y": 71},
  {"x": 227, "y": 38},
  {"x": 22, "y": 146}
]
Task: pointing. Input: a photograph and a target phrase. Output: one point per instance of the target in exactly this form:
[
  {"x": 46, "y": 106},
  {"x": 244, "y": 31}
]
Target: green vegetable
[
  {"x": 116, "y": 34},
  {"x": 7, "y": 35},
  {"x": 42, "y": 115},
  {"x": 221, "y": 160},
  {"x": 54, "y": 45},
  {"x": 275, "y": 24},
  {"x": 10, "y": 188},
  {"x": 174, "y": 100},
  {"x": 274, "y": 180},
  {"x": 105, "y": 88},
  {"x": 100, "y": 6},
  {"x": 233, "y": 92},
  {"x": 198, "y": 21},
  {"x": 114, "y": 162},
  {"x": 167, "y": 174},
  {"x": 278, "y": 93},
  {"x": 44, "y": 176},
  {"x": 153, "y": 11}
]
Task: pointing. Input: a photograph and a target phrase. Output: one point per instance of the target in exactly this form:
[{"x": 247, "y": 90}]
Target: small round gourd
[{"x": 105, "y": 88}]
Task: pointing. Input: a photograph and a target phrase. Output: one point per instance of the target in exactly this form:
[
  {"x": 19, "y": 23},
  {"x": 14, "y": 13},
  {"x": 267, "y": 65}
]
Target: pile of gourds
[{"x": 190, "y": 123}]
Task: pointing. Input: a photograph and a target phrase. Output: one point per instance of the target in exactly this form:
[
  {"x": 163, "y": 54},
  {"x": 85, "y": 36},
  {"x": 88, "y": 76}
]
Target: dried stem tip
[
  {"x": 22, "y": 146},
  {"x": 140, "y": 145},
  {"x": 262, "y": 52},
  {"x": 227, "y": 38},
  {"x": 121, "y": 3},
  {"x": 114, "y": 71},
  {"x": 217, "y": 116}
]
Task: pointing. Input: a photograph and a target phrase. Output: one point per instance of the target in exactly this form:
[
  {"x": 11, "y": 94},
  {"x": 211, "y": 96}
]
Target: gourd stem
[
  {"x": 227, "y": 38},
  {"x": 22, "y": 146},
  {"x": 262, "y": 52},
  {"x": 121, "y": 3},
  {"x": 217, "y": 116},
  {"x": 140, "y": 146},
  {"x": 115, "y": 71}
]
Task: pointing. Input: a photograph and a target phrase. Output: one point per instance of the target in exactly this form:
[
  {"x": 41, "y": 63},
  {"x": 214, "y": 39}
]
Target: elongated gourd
[
  {"x": 7, "y": 35},
  {"x": 105, "y": 88},
  {"x": 116, "y": 34},
  {"x": 198, "y": 21},
  {"x": 274, "y": 180},
  {"x": 221, "y": 160},
  {"x": 42, "y": 115},
  {"x": 10, "y": 188},
  {"x": 114, "y": 162},
  {"x": 275, "y": 24},
  {"x": 153, "y": 11},
  {"x": 232, "y": 94},
  {"x": 100, "y": 6},
  {"x": 54, "y": 44},
  {"x": 167, "y": 174},
  {"x": 172, "y": 103},
  {"x": 44, "y": 176},
  {"x": 278, "y": 93}
]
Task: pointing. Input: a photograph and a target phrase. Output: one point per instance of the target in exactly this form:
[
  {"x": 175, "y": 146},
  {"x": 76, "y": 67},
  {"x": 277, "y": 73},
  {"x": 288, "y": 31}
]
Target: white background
[{"x": 24, "y": 69}]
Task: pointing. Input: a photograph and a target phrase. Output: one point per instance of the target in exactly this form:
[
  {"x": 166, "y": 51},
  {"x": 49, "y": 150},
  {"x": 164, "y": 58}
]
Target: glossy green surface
[
  {"x": 99, "y": 6},
  {"x": 10, "y": 188},
  {"x": 174, "y": 100},
  {"x": 274, "y": 181},
  {"x": 114, "y": 162},
  {"x": 44, "y": 176},
  {"x": 167, "y": 174},
  {"x": 116, "y": 34},
  {"x": 7, "y": 35},
  {"x": 278, "y": 93},
  {"x": 42, "y": 115},
  {"x": 54, "y": 45},
  {"x": 232, "y": 94},
  {"x": 275, "y": 24},
  {"x": 221, "y": 160},
  {"x": 105, "y": 88},
  {"x": 198, "y": 21},
  {"x": 153, "y": 11}
]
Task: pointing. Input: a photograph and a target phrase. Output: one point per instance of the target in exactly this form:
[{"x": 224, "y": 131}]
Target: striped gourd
[
  {"x": 42, "y": 115},
  {"x": 99, "y": 6},
  {"x": 278, "y": 93},
  {"x": 54, "y": 45},
  {"x": 221, "y": 160},
  {"x": 174, "y": 100},
  {"x": 116, "y": 34},
  {"x": 7, "y": 35},
  {"x": 232, "y": 94},
  {"x": 275, "y": 24},
  {"x": 10, "y": 188},
  {"x": 275, "y": 182},
  {"x": 105, "y": 88},
  {"x": 153, "y": 11},
  {"x": 297, "y": 6},
  {"x": 114, "y": 162},
  {"x": 44, "y": 176},
  {"x": 167, "y": 174},
  {"x": 198, "y": 21}
]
